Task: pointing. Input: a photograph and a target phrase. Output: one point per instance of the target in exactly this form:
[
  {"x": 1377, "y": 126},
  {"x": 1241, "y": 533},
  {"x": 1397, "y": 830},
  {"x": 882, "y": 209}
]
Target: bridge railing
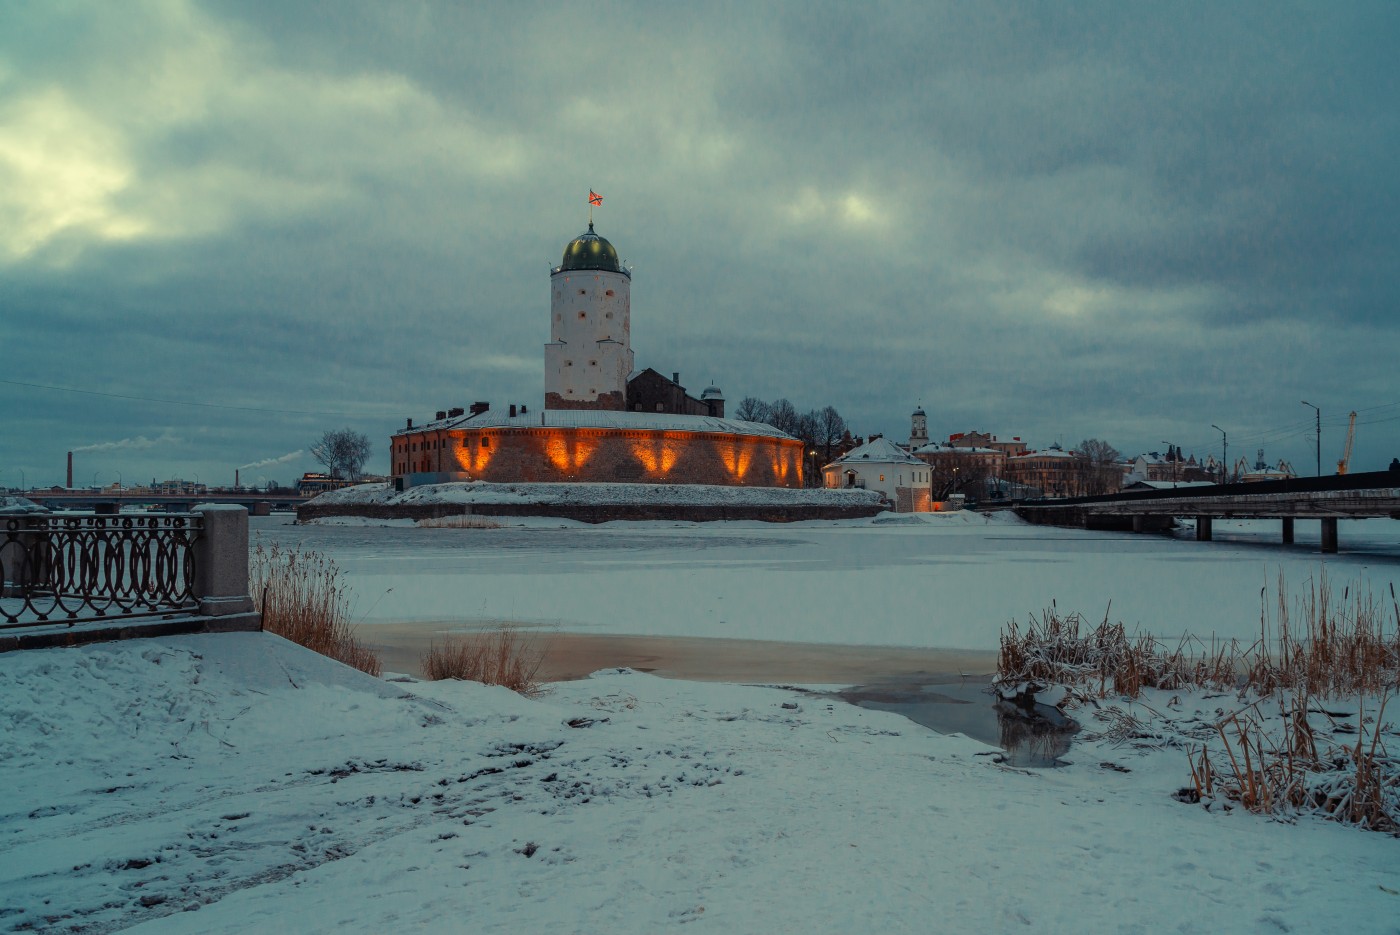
[{"x": 71, "y": 568}]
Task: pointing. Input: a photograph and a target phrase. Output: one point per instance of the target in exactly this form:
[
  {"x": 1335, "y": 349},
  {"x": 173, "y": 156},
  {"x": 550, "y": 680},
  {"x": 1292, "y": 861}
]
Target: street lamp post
[
  {"x": 1224, "y": 450},
  {"x": 1318, "y": 413}
]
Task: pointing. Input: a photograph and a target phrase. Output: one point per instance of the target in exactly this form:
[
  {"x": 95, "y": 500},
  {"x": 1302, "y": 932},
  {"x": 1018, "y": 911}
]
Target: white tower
[
  {"x": 589, "y": 355},
  {"x": 918, "y": 432}
]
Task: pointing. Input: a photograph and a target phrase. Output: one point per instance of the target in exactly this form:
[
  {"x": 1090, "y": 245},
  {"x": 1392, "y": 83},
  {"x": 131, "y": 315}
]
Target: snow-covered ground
[
  {"x": 933, "y": 580},
  {"x": 236, "y": 783}
]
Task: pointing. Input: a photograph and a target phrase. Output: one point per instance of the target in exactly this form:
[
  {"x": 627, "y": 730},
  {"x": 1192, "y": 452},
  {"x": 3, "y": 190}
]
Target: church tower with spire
[{"x": 589, "y": 355}]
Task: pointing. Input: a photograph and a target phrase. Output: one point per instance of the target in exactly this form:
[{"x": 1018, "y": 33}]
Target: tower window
[
  {"x": 608, "y": 293},
  {"x": 486, "y": 441},
  {"x": 583, "y": 292},
  {"x": 592, "y": 363}
]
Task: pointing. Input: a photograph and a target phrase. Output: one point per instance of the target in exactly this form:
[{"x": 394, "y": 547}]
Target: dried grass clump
[
  {"x": 300, "y": 596},
  {"x": 1064, "y": 650},
  {"x": 1345, "y": 647},
  {"x": 460, "y": 521},
  {"x": 492, "y": 657},
  {"x": 1296, "y": 774},
  {"x": 1321, "y": 646}
]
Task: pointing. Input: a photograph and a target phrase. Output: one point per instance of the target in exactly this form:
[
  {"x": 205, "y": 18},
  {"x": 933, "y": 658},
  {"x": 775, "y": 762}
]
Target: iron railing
[{"x": 73, "y": 567}]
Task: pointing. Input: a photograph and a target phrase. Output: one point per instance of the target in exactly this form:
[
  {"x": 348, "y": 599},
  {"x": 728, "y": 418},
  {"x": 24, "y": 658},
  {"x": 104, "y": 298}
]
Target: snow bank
[{"x": 481, "y": 493}]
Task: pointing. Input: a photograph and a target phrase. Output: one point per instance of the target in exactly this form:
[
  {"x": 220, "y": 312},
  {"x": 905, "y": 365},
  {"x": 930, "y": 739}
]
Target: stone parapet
[{"x": 221, "y": 561}]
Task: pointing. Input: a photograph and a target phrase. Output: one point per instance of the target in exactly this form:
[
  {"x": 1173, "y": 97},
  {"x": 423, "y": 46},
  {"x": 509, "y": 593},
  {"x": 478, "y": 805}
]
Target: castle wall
[{"x": 554, "y": 455}]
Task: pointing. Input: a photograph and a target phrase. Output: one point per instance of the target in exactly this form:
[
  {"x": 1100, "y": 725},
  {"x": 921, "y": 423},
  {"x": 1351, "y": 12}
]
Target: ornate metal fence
[{"x": 74, "y": 567}]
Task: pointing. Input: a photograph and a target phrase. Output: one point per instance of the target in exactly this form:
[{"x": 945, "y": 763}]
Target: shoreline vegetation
[
  {"x": 301, "y": 597},
  {"x": 1275, "y": 731}
]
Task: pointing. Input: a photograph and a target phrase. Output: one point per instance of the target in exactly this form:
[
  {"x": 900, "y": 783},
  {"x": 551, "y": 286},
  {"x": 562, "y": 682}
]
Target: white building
[
  {"x": 882, "y": 465},
  {"x": 589, "y": 356}
]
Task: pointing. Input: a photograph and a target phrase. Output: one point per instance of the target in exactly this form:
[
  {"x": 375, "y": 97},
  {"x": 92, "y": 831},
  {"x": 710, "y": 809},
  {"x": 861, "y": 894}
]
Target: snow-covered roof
[
  {"x": 940, "y": 448},
  {"x": 1168, "y": 484},
  {"x": 1047, "y": 453},
  {"x": 880, "y": 451},
  {"x": 599, "y": 419}
]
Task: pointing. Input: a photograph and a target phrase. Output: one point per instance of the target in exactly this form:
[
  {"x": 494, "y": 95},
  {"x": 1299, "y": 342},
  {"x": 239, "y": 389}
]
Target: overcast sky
[{"x": 1048, "y": 220}]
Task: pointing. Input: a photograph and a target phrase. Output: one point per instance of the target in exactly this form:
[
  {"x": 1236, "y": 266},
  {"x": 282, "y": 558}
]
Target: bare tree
[
  {"x": 831, "y": 429},
  {"x": 782, "y": 415},
  {"x": 752, "y": 409},
  {"x": 343, "y": 452},
  {"x": 954, "y": 472},
  {"x": 1096, "y": 468}
]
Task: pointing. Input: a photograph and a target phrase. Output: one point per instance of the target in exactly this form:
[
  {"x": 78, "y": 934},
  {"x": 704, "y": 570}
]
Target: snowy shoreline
[
  {"x": 172, "y": 792},
  {"x": 594, "y": 503}
]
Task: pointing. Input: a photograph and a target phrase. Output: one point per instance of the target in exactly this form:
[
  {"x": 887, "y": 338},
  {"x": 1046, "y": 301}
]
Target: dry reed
[
  {"x": 492, "y": 657},
  {"x": 301, "y": 597},
  {"x": 1320, "y": 645},
  {"x": 1346, "y": 646}
]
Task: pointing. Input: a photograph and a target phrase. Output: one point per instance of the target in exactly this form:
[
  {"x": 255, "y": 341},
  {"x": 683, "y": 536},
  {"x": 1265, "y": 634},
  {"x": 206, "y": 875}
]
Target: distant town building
[
  {"x": 1053, "y": 471},
  {"x": 1172, "y": 466},
  {"x": 311, "y": 484},
  {"x": 961, "y": 468},
  {"x": 881, "y": 465},
  {"x": 982, "y": 440}
]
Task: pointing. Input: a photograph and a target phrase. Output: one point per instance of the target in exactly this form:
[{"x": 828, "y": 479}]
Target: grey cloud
[{"x": 1055, "y": 221}]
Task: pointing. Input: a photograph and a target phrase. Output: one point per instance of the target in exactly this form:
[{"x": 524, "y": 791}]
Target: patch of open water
[{"x": 1037, "y": 738}]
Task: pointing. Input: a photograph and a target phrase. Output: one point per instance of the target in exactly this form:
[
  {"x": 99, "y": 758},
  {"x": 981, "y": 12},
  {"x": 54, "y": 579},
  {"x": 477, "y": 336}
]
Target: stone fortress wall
[{"x": 558, "y": 455}]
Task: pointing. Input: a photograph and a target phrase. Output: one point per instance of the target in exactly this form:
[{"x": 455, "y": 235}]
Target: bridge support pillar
[
  {"x": 1139, "y": 523},
  {"x": 1288, "y": 530},
  {"x": 1203, "y": 529},
  {"x": 1329, "y": 535}
]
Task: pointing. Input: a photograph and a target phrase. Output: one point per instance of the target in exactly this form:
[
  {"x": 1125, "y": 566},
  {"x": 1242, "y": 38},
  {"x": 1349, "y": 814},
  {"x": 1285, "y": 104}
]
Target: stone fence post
[{"x": 221, "y": 561}]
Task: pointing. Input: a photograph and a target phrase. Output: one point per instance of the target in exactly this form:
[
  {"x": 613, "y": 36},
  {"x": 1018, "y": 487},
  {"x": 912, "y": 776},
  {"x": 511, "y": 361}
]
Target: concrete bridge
[{"x": 1325, "y": 499}]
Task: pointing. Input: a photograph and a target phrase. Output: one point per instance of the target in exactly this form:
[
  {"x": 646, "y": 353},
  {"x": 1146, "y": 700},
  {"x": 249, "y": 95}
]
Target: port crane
[{"x": 1346, "y": 450}]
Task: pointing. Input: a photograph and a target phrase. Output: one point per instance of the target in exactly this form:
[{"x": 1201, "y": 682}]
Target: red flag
[{"x": 594, "y": 198}]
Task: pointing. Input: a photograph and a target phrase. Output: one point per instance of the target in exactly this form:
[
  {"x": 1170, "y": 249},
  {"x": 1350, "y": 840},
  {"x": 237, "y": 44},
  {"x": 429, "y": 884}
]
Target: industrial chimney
[{"x": 70, "y": 470}]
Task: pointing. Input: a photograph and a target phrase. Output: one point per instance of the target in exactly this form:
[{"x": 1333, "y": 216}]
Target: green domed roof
[{"x": 589, "y": 251}]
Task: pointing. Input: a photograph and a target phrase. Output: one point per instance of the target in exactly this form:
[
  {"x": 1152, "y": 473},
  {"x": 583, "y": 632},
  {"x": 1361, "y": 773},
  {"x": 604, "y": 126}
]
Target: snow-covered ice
[{"x": 933, "y": 580}]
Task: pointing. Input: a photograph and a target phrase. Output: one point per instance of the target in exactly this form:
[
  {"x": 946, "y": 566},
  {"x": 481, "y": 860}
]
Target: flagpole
[{"x": 590, "y": 207}]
